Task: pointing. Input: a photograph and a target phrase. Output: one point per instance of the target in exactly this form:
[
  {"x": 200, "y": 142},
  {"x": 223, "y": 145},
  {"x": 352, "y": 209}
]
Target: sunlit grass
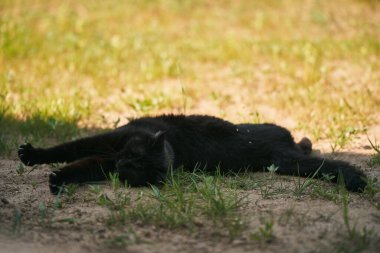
[
  {"x": 88, "y": 63},
  {"x": 313, "y": 66}
]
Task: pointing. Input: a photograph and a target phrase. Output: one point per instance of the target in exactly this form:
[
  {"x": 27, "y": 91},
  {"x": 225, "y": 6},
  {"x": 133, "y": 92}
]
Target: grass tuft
[{"x": 375, "y": 159}]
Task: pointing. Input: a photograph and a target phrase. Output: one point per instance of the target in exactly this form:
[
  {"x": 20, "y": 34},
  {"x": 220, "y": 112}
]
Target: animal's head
[{"x": 142, "y": 158}]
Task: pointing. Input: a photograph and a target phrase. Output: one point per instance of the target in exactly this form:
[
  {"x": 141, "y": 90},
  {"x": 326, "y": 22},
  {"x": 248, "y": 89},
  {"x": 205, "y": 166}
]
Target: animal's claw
[{"x": 55, "y": 182}]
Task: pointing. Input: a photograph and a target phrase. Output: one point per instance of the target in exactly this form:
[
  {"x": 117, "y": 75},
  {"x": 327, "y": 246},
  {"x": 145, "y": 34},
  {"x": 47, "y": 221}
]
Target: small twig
[{"x": 374, "y": 146}]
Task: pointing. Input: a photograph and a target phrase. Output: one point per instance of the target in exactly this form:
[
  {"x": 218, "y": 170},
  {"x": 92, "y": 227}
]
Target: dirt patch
[{"x": 303, "y": 224}]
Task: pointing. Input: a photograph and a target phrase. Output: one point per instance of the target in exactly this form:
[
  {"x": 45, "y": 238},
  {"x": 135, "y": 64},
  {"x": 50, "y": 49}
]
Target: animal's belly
[
  {"x": 233, "y": 152},
  {"x": 225, "y": 158}
]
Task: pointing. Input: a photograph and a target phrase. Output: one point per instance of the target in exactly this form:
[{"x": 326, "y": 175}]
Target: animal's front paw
[
  {"x": 56, "y": 182},
  {"x": 28, "y": 154}
]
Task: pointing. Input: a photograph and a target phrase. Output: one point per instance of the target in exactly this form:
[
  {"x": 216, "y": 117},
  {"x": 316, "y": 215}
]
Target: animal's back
[
  {"x": 267, "y": 133},
  {"x": 204, "y": 140}
]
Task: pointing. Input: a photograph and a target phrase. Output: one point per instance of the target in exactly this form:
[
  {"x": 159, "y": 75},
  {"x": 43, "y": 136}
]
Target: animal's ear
[{"x": 158, "y": 139}]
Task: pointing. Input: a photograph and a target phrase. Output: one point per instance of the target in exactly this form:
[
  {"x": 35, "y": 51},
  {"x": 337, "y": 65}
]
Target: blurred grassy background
[{"x": 65, "y": 66}]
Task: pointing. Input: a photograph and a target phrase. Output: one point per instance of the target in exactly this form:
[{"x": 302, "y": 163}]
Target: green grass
[
  {"x": 375, "y": 160},
  {"x": 265, "y": 232},
  {"x": 70, "y": 68},
  {"x": 352, "y": 239},
  {"x": 127, "y": 238},
  {"x": 17, "y": 222},
  {"x": 184, "y": 200}
]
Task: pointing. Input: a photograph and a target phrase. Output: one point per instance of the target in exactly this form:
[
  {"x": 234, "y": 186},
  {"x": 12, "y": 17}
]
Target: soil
[{"x": 303, "y": 224}]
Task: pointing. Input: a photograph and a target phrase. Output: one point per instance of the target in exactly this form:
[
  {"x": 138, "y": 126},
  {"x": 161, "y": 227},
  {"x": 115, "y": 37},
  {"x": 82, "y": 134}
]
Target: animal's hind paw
[{"x": 28, "y": 154}]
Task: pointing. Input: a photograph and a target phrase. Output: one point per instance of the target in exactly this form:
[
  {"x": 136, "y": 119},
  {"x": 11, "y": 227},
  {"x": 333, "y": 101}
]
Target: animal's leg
[
  {"x": 292, "y": 163},
  {"x": 85, "y": 170},
  {"x": 102, "y": 144}
]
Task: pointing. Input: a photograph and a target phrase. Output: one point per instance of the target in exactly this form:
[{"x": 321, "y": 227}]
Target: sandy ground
[{"x": 300, "y": 225}]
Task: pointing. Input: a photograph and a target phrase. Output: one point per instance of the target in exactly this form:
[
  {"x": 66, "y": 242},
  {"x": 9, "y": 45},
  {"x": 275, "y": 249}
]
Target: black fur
[{"x": 143, "y": 150}]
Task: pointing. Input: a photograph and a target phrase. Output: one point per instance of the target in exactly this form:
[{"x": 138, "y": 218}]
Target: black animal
[{"x": 142, "y": 151}]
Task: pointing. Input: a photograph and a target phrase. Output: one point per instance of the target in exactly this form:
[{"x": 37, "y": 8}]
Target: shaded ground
[{"x": 80, "y": 225}]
